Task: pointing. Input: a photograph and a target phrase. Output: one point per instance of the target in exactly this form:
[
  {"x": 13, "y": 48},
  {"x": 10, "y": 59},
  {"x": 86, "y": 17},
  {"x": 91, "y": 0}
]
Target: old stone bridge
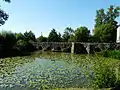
[{"x": 75, "y": 47}]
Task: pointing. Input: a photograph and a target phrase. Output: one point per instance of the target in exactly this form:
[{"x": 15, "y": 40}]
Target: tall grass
[{"x": 115, "y": 54}]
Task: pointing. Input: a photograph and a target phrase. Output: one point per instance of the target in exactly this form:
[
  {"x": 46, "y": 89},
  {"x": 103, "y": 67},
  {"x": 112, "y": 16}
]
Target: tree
[
  {"x": 82, "y": 34},
  {"x": 93, "y": 39},
  {"x": 7, "y": 1},
  {"x": 3, "y": 15},
  {"x": 67, "y": 34},
  {"x": 59, "y": 37},
  {"x": 29, "y": 36},
  {"x": 106, "y": 24},
  {"x": 106, "y": 33},
  {"x": 53, "y": 36},
  {"x": 20, "y": 36},
  {"x": 24, "y": 46},
  {"x": 7, "y": 43},
  {"x": 72, "y": 38},
  {"x": 42, "y": 39},
  {"x": 8, "y": 39}
]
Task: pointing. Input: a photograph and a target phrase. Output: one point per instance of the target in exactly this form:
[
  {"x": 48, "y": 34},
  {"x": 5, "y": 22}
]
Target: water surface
[{"x": 46, "y": 70}]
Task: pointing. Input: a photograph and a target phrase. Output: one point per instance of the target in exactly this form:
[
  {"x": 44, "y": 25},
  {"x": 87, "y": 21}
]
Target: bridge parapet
[{"x": 77, "y": 47}]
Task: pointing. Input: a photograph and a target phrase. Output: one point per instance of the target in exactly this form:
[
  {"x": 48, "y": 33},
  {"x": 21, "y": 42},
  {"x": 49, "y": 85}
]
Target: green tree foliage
[
  {"x": 8, "y": 39},
  {"x": 59, "y": 36},
  {"x": 20, "y": 36},
  {"x": 12, "y": 44},
  {"x": 53, "y": 36},
  {"x": 68, "y": 34},
  {"x": 93, "y": 39},
  {"x": 72, "y": 38},
  {"x": 105, "y": 33},
  {"x": 3, "y": 15},
  {"x": 82, "y": 34},
  {"x": 29, "y": 36},
  {"x": 24, "y": 46},
  {"x": 42, "y": 39},
  {"x": 106, "y": 24},
  {"x": 7, "y": 42}
]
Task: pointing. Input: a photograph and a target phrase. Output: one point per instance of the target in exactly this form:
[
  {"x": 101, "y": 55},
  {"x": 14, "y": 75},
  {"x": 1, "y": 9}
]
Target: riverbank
[
  {"x": 115, "y": 54},
  {"x": 81, "y": 89}
]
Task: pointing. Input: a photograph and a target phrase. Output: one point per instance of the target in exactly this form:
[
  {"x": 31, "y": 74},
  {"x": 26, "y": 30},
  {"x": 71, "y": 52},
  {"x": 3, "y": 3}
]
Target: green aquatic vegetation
[
  {"x": 45, "y": 70},
  {"x": 7, "y": 65},
  {"x": 103, "y": 69}
]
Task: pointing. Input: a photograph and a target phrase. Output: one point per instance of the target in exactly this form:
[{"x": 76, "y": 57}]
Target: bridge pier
[
  {"x": 80, "y": 48},
  {"x": 73, "y": 47},
  {"x": 76, "y": 47},
  {"x": 88, "y": 48}
]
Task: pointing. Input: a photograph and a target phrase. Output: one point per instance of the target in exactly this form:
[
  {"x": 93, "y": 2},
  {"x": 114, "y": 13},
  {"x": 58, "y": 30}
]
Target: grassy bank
[{"x": 115, "y": 54}]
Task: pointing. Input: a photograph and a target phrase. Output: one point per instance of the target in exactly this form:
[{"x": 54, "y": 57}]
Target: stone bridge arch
[
  {"x": 76, "y": 47},
  {"x": 40, "y": 48}
]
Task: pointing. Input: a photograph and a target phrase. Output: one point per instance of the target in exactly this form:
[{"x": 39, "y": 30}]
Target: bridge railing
[{"x": 72, "y": 42}]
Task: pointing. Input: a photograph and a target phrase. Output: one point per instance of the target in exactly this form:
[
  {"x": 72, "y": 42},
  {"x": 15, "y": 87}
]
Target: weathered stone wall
[{"x": 76, "y": 47}]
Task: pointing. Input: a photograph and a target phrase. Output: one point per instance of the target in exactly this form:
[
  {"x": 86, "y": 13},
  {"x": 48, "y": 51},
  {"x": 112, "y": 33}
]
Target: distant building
[{"x": 118, "y": 35}]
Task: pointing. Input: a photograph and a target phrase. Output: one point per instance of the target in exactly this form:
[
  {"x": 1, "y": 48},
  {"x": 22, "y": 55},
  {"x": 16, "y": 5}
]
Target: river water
[{"x": 46, "y": 70}]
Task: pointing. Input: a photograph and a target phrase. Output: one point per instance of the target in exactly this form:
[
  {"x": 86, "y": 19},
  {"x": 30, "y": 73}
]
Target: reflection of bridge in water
[{"x": 76, "y": 47}]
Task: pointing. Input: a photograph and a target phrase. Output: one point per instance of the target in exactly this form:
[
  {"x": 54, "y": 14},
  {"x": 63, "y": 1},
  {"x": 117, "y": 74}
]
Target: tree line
[
  {"x": 12, "y": 44},
  {"x": 105, "y": 29}
]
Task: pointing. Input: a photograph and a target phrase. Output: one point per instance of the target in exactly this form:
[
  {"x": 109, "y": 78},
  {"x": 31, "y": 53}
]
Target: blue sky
[{"x": 43, "y": 15}]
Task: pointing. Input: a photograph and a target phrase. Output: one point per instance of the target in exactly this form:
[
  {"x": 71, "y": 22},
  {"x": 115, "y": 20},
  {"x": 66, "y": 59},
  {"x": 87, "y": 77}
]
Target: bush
[
  {"x": 7, "y": 42},
  {"x": 104, "y": 78},
  {"x": 12, "y": 44},
  {"x": 25, "y": 46},
  {"x": 8, "y": 39},
  {"x": 110, "y": 53}
]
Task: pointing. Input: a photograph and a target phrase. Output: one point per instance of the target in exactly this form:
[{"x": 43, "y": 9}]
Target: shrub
[
  {"x": 25, "y": 46},
  {"x": 110, "y": 53},
  {"x": 7, "y": 42}
]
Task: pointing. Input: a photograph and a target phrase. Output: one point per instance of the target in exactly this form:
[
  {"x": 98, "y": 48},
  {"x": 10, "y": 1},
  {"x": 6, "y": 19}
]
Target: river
[{"x": 45, "y": 70}]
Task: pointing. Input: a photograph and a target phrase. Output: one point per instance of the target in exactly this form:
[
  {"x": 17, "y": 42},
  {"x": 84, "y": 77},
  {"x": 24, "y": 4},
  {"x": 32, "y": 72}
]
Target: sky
[{"x": 43, "y": 15}]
